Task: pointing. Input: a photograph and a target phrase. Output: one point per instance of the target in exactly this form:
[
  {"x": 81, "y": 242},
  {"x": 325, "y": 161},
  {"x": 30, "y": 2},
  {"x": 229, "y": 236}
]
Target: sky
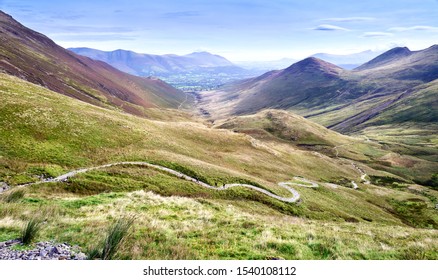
[{"x": 240, "y": 30}]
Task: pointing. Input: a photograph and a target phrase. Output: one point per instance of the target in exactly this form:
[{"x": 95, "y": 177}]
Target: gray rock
[
  {"x": 54, "y": 250},
  {"x": 43, "y": 253},
  {"x": 3, "y": 187}
]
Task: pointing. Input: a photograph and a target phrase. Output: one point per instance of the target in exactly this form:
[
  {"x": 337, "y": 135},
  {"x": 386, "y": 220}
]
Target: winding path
[
  {"x": 363, "y": 175},
  {"x": 287, "y": 185}
]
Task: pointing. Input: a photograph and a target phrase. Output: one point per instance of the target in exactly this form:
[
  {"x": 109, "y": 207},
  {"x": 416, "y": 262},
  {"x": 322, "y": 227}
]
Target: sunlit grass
[{"x": 42, "y": 136}]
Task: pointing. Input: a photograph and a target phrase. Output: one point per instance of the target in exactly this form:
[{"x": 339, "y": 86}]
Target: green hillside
[{"x": 45, "y": 134}]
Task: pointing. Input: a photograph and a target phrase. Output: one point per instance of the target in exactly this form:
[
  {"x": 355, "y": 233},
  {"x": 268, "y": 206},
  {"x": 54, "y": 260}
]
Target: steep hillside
[
  {"x": 388, "y": 57},
  {"x": 34, "y": 57},
  {"x": 45, "y": 134},
  {"x": 339, "y": 99},
  {"x": 396, "y": 78},
  {"x": 417, "y": 158},
  {"x": 403, "y": 64},
  {"x": 310, "y": 83}
]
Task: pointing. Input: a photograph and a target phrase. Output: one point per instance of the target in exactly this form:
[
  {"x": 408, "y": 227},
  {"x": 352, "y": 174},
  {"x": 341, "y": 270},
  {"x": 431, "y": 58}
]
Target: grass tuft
[
  {"x": 30, "y": 231},
  {"x": 116, "y": 234},
  {"x": 13, "y": 196}
]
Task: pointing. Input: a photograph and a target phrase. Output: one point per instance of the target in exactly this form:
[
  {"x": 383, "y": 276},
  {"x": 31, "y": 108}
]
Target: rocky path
[
  {"x": 286, "y": 185},
  {"x": 52, "y": 251}
]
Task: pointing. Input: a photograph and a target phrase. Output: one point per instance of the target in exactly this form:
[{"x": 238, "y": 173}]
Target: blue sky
[{"x": 240, "y": 30}]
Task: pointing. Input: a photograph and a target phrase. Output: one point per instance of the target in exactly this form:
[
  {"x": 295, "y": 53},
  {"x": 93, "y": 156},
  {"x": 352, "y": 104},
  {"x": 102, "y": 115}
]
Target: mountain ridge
[
  {"x": 36, "y": 58},
  {"x": 345, "y": 100},
  {"x": 141, "y": 64},
  {"x": 386, "y": 57},
  {"x": 348, "y": 61},
  {"x": 313, "y": 64}
]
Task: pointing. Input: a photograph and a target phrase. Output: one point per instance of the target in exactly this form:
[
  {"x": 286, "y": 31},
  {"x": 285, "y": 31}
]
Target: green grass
[
  {"x": 43, "y": 135},
  {"x": 115, "y": 236},
  {"x": 30, "y": 231},
  {"x": 387, "y": 181},
  {"x": 412, "y": 213},
  {"x": 13, "y": 196},
  {"x": 208, "y": 228},
  {"x": 8, "y": 233}
]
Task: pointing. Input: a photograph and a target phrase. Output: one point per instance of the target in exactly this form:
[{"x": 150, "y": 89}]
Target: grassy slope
[
  {"x": 413, "y": 159},
  {"x": 398, "y": 86},
  {"x": 76, "y": 76},
  {"x": 44, "y": 133},
  {"x": 422, "y": 106},
  {"x": 394, "y": 105}
]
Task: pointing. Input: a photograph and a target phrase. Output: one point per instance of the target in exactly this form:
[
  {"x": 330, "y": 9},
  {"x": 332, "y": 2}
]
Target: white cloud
[
  {"x": 414, "y": 28},
  {"x": 377, "y": 34},
  {"x": 329, "y": 27}
]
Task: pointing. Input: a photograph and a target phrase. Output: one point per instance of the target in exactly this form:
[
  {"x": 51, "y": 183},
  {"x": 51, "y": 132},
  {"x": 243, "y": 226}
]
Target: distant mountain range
[
  {"x": 202, "y": 69},
  {"x": 397, "y": 86},
  {"x": 267, "y": 65},
  {"x": 347, "y": 61},
  {"x": 191, "y": 72},
  {"x": 160, "y": 65},
  {"x": 34, "y": 57}
]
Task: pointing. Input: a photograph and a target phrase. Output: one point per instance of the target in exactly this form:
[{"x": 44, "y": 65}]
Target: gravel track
[{"x": 286, "y": 185}]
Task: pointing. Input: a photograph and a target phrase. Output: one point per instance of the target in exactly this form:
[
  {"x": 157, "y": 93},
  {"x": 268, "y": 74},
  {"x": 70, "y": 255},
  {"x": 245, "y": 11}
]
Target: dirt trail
[
  {"x": 287, "y": 185},
  {"x": 363, "y": 176},
  {"x": 185, "y": 100}
]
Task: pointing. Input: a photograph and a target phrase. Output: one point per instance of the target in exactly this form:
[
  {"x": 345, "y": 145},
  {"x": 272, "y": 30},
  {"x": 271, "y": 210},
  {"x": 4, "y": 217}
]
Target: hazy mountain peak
[
  {"x": 149, "y": 64},
  {"x": 200, "y": 53},
  {"x": 349, "y": 61},
  {"x": 313, "y": 64},
  {"x": 386, "y": 57},
  {"x": 431, "y": 48},
  {"x": 207, "y": 59},
  {"x": 398, "y": 51}
]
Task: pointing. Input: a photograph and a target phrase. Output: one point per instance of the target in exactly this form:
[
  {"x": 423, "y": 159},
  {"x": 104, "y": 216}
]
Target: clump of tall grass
[
  {"x": 30, "y": 230},
  {"x": 115, "y": 237},
  {"x": 13, "y": 196}
]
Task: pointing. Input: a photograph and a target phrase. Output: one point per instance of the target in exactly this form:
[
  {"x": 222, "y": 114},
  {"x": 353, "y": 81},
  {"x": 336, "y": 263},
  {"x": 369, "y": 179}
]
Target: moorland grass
[
  {"x": 13, "y": 196},
  {"x": 30, "y": 230},
  {"x": 116, "y": 234},
  {"x": 42, "y": 135}
]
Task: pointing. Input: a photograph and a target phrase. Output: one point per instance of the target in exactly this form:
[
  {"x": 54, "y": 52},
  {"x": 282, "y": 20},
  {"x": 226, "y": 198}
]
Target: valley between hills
[{"x": 310, "y": 162}]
